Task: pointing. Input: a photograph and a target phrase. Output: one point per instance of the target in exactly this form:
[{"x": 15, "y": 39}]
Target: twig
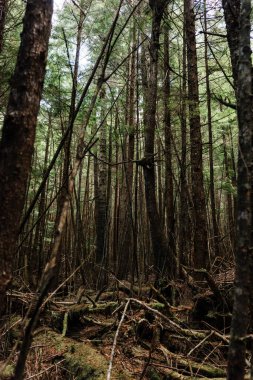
[
  {"x": 91, "y": 300},
  {"x": 100, "y": 293},
  {"x": 61, "y": 285},
  {"x": 78, "y": 6},
  {"x": 45, "y": 370},
  {"x": 147, "y": 363},
  {"x": 200, "y": 343},
  {"x": 10, "y": 327},
  {"x": 115, "y": 341}
]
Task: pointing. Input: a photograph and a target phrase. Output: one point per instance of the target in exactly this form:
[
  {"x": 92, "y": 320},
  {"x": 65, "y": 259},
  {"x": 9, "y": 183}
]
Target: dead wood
[
  {"x": 178, "y": 348},
  {"x": 193, "y": 366}
]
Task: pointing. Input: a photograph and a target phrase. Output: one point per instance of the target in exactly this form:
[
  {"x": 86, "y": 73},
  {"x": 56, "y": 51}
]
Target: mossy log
[
  {"x": 207, "y": 370},
  {"x": 82, "y": 360},
  {"x": 79, "y": 314}
]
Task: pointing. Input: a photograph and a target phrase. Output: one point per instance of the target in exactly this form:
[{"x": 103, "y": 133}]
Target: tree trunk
[
  {"x": 169, "y": 191},
  {"x": 100, "y": 177},
  {"x": 184, "y": 218},
  {"x": 16, "y": 148},
  {"x": 36, "y": 263},
  {"x": 230, "y": 209},
  {"x": 159, "y": 244},
  {"x": 67, "y": 145},
  {"x": 126, "y": 245},
  {"x": 231, "y": 10},
  {"x": 200, "y": 255},
  {"x": 243, "y": 282},
  {"x": 215, "y": 230}
]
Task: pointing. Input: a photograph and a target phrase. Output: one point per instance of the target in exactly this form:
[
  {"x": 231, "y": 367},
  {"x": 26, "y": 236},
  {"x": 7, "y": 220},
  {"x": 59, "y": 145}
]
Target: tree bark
[
  {"x": 17, "y": 144},
  {"x": 100, "y": 182},
  {"x": 215, "y": 229},
  {"x": 169, "y": 189},
  {"x": 68, "y": 141},
  {"x": 159, "y": 243},
  {"x": 184, "y": 242},
  {"x": 200, "y": 255},
  {"x": 230, "y": 209},
  {"x": 126, "y": 245},
  {"x": 243, "y": 282},
  {"x": 231, "y": 10},
  {"x": 35, "y": 256}
]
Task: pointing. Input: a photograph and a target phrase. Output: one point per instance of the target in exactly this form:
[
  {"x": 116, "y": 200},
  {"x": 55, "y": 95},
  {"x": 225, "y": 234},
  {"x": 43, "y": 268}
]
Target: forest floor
[{"x": 127, "y": 332}]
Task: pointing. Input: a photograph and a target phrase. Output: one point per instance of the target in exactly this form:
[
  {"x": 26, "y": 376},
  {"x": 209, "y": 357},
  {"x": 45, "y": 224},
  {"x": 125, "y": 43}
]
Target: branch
[
  {"x": 78, "y": 6},
  {"x": 213, "y": 34},
  {"x": 220, "y": 66},
  {"x": 224, "y": 102},
  {"x": 115, "y": 341}
]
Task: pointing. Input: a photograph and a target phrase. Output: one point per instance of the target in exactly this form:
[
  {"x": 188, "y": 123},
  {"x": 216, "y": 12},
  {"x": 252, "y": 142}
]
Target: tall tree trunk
[
  {"x": 68, "y": 141},
  {"x": 231, "y": 10},
  {"x": 169, "y": 191},
  {"x": 230, "y": 209},
  {"x": 36, "y": 262},
  {"x": 215, "y": 230},
  {"x": 243, "y": 281},
  {"x": 184, "y": 220},
  {"x": 126, "y": 245},
  {"x": 200, "y": 255},
  {"x": 101, "y": 198},
  {"x": 159, "y": 243},
  {"x": 16, "y": 148}
]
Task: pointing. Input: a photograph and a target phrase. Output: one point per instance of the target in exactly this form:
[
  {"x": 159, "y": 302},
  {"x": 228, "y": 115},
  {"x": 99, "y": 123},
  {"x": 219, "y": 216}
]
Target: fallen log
[
  {"x": 207, "y": 370},
  {"x": 78, "y": 360}
]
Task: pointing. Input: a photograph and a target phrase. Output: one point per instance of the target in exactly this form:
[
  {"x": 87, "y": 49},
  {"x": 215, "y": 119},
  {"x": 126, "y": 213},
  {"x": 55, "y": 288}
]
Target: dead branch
[{"x": 115, "y": 340}]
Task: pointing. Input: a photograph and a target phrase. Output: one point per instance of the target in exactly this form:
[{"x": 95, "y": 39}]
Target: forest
[{"x": 126, "y": 190}]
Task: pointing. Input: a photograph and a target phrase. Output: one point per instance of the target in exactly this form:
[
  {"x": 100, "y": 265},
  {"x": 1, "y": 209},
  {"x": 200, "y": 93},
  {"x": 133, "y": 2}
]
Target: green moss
[
  {"x": 105, "y": 308},
  {"x": 157, "y": 306},
  {"x": 8, "y": 372},
  {"x": 82, "y": 360}
]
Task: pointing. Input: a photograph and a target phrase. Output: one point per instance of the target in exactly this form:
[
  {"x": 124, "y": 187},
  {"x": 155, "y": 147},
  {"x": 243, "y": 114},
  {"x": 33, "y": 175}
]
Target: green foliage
[{"x": 13, "y": 28}]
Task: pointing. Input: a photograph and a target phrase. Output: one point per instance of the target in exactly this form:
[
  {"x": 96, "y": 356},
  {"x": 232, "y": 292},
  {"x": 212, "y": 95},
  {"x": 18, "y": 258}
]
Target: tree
[
  {"x": 200, "y": 255},
  {"x": 169, "y": 188},
  {"x": 67, "y": 144},
  {"x": 18, "y": 134},
  {"x": 243, "y": 282},
  {"x": 126, "y": 248},
  {"x": 159, "y": 243},
  {"x": 231, "y": 14},
  {"x": 215, "y": 229},
  {"x": 100, "y": 190},
  {"x": 184, "y": 219}
]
